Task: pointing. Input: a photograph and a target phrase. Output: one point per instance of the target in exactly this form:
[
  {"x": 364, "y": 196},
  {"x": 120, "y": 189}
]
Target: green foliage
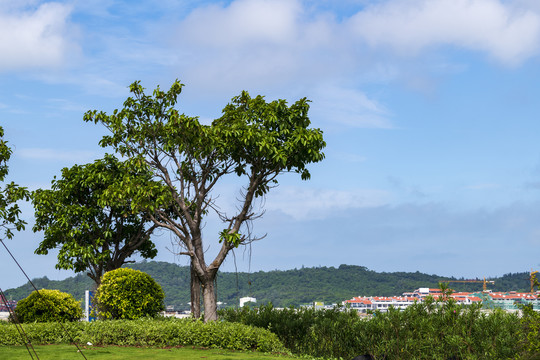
[
  {"x": 9, "y": 195},
  {"x": 233, "y": 238},
  {"x": 442, "y": 330},
  {"x": 93, "y": 232},
  {"x": 268, "y": 137},
  {"x": 149, "y": 332},
  {"x": 320, "y": 333},
  {"x": 428, "y": 330},
  {"x": 47, "y": 306},
  {"x": 128, "y": 294},
  {"x": 253, "y": 139},
  {"x": 530, "y": 333}
]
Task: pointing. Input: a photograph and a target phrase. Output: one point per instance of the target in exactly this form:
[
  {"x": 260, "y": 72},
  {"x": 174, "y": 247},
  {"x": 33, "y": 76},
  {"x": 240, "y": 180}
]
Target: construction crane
[
  {"x": 533, "y": 280},
  {"x": 473, "y": 281}
]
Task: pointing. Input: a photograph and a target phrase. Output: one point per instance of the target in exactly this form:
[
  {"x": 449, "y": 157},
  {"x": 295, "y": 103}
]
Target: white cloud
[
  {"x": 349, "y": 107},
  {"x": 303, "y": 203},
  {"x": 34, "y": 37},
  {"x": 243, "y": 22},
  {"x": 267, "y": 46},
  {"x": 258, "y": 43},
  {"x": 506, "y": 33}
]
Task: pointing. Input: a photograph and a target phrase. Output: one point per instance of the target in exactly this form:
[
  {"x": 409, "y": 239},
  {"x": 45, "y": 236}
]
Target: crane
[
  {"x": 533, "y": 279},
  {"x": 474, "y": 281}
]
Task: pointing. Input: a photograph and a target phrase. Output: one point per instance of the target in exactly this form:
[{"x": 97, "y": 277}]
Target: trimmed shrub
[
  {"x": 48, "y": 305},
  {"x": 148, "y": 332},
  {"x": 128, "y": 294}
]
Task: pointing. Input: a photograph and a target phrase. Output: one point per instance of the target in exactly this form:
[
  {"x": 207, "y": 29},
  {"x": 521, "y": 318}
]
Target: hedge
[{"x": 148, "y": 332}]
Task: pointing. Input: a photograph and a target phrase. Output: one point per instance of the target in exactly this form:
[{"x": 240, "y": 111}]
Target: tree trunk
[
  {"x": 209, "y": 300},
  {"x": 195, "y": 294}
]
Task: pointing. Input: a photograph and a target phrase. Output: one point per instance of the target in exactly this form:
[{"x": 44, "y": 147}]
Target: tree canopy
[
  {"x": 253, "y": 139},
  {"x": 94, "y": 233}
]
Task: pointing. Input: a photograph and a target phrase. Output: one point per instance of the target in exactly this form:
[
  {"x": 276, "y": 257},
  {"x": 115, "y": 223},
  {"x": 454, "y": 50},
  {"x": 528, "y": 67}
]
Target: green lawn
[{"x": 69, "y": 352}]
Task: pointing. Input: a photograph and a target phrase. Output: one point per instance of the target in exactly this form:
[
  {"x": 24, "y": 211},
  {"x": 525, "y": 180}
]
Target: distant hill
[{"x": 282, "y": 287}]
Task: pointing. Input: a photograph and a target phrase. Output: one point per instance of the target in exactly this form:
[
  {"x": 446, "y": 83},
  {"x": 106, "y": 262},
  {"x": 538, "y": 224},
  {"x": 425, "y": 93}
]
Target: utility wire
[
  {"x": 18, "y": 326},
  {"x": 37, "y": 291}
]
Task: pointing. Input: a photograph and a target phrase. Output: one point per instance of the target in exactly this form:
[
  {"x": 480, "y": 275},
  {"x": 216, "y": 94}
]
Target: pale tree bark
[{"x": 209, "y": 299}]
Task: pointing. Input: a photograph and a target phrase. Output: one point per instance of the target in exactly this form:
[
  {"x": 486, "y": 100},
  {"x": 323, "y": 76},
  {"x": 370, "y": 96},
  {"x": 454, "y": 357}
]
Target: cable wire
[
  {"x": 43, "y": 298},
  {"x": 18, "y": 326}
]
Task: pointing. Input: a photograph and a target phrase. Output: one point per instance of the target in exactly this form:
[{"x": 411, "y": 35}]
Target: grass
[{"x": 65, "y": 352}]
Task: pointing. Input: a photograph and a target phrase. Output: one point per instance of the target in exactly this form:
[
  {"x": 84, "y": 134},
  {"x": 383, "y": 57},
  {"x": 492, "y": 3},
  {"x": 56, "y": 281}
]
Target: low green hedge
[{"x": 148, "y": 332}]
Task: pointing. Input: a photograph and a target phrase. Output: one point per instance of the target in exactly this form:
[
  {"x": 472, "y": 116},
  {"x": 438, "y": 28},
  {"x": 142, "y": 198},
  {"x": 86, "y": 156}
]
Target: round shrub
[
  {"x": 128, "y": 294},
  {"x": 48, "y": 306}
]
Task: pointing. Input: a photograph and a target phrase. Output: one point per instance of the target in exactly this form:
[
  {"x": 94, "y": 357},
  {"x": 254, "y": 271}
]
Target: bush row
[
  {"x": 427, "y": 330},
  {"x": 123, "y": 294},
  {"x": 147, "y": 332}
]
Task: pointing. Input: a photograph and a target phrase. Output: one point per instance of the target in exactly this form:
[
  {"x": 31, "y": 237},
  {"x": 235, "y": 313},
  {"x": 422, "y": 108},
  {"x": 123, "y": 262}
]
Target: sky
[{"x": 429, "y": 109}]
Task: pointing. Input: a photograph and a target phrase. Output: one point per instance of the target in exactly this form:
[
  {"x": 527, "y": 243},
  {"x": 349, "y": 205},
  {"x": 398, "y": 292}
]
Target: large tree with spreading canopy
[{"x": 253, "y": 139}]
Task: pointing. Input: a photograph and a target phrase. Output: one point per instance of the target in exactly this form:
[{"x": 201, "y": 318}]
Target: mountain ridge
[{"x": 281, "y": 287}]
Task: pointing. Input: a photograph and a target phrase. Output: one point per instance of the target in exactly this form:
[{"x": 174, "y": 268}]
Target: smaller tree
[
  {"x": 129, "y": 294},
  {"x": 48, "y": 306},
  {"x": 94, "y": 233}
]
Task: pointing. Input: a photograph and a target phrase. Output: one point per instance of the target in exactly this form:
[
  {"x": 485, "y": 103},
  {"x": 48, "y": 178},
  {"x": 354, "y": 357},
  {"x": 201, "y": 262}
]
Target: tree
[
  {"x": 253, "y": 139},
  {"x": 94, "y": 233},
  {"x": 9, "y": 196}
]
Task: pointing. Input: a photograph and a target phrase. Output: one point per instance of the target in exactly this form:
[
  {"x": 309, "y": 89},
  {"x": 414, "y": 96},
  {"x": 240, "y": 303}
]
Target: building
[
  {"x": 506, "y": 301},
  {"x": 4, "y": 306}
]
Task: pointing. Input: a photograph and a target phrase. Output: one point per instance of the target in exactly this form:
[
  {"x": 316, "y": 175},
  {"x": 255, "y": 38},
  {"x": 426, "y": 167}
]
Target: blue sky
[{"x": 429, "y": 109}]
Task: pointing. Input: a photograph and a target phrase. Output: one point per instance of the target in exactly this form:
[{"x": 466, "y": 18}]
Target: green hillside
[{"x": 282, "y": 287}]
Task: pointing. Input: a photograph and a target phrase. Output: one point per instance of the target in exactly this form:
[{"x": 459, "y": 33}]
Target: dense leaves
[
  {"x": 95, "y": 233},
  {"x": 253, "y": 139},
  {"x": 147, "y": 332},
  {"x": 530, "y": 333},
  {"x": 10, "y": 194},
  {"x": 48, "y": 306},
  {"x": 428, "y": 330},
  {"x": 128, "y": 294}
]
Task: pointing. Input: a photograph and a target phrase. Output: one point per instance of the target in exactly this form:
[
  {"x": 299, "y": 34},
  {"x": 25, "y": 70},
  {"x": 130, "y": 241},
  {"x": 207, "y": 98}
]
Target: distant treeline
[{"x": 282, "y": 287}]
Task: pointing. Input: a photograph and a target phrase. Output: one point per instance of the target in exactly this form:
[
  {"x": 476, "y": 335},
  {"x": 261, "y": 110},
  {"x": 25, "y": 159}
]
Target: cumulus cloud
[
  {"x": 506, "y": 33},
  {"x": 243, "y": 22},
  {"x": 268, "y": 39},
  {"x": 34, "y": 36},
  {"x": 266, "y": 46}
]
